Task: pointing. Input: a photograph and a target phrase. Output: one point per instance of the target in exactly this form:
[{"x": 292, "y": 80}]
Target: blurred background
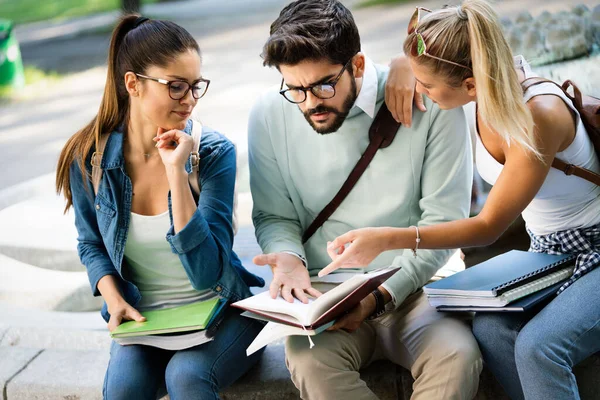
[{"x": 52, "y": 73}]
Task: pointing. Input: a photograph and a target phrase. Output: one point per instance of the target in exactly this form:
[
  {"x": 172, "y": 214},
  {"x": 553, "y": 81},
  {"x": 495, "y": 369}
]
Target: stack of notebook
[
  {"x": 175, "y": 328},
  {"x": 513, "y": 281}
]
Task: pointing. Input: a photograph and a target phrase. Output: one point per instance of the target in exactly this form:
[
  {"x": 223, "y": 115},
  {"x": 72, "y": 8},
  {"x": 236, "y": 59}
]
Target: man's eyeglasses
[
  {"x": 178, "y": 89},
  {"x": 421, "y": 46},
  {"x": 321, "y": 90}
]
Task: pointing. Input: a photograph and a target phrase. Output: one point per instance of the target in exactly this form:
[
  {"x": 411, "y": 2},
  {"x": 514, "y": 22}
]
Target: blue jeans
[
  {"x": 533, "y": 354},
  {"x": 143, "y": 372}
]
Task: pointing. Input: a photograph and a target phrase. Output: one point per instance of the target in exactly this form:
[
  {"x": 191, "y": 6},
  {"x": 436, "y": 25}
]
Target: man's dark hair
[{"x": 312, "y": 30}]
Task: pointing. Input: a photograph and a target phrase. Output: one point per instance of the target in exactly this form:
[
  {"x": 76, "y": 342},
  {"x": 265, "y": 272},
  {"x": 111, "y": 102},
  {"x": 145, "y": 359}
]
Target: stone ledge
[
  {"x": 32, "y": 287},
  {"x": 79, "y": 374},
  {"x": 55, "y": 339},
  {"x": 14, "y": 359},
  {"x": 61, "y": 374}
]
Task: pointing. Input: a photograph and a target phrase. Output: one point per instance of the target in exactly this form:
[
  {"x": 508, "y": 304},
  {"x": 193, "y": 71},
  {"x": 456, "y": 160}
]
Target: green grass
[
  {"x": 35, "y": 80},
  {"x": 22, "y": 11},
  {"x": 369, "y": 3}
]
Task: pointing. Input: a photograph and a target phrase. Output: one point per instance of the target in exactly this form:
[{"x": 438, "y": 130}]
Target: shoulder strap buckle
[
  {"x": 195, "y": 159},
  {"x": 569, "y": 169},
  {"x": 96, "y": 160}
]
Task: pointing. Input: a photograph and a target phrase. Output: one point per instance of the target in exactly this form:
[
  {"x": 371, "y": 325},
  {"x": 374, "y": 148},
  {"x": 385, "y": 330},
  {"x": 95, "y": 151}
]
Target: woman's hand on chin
[{"x": 174, "y": 147}]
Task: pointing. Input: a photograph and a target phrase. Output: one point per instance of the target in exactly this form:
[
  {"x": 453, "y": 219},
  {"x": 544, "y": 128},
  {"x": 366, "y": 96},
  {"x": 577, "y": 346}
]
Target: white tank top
[
  {"x": 563, "y": 202},
  {"x": 154, "y": 268}
]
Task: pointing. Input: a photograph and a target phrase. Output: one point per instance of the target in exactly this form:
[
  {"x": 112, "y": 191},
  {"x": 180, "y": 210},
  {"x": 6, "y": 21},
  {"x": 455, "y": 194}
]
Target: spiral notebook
[
  {"x": 500, "y": 274},
  {"x": 436, "y": 300}
]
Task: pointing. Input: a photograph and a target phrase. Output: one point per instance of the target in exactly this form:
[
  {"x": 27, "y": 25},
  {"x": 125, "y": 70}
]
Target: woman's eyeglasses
[
  {"x": 178, "y": 89},
  {"x": 421, "y": 46}
]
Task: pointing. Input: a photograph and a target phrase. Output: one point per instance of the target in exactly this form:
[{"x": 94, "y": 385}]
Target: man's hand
[
  {"x": 351, "y": 321},
  {"x": 400, "y": 90},
  {"x": 122, "y": 311},
  {"x": 289, "y": 274}
]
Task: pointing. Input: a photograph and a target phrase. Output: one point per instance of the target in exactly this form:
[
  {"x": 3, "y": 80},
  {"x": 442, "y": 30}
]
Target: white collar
[{"x": 367, "y": 97}]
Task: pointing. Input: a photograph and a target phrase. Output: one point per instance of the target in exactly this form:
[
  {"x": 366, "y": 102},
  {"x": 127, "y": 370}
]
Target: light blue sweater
[{"x": 423, "y": 178}]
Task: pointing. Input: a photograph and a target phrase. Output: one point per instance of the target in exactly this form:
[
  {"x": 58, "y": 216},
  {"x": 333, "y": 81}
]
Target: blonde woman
[{"x": 459, "y": 55}]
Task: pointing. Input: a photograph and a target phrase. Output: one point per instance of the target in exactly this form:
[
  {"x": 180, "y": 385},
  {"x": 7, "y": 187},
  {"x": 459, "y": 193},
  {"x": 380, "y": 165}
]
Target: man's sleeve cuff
[{"x": 391, "y": 305}]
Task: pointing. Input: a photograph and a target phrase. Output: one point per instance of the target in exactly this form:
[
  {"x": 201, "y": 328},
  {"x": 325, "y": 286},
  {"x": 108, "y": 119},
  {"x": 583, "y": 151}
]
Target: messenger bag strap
[
  {"x": 381, "y": 134},
  {"x": 568, "y": 169}
]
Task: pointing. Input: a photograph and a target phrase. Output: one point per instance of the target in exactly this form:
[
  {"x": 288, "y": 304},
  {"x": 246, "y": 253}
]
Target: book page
[
  {"x": 168, "y": 342},
  {"x": 335, "y": 295},
  {"x": 274, "y": 331},
  {"x": 264, "y": 302}
]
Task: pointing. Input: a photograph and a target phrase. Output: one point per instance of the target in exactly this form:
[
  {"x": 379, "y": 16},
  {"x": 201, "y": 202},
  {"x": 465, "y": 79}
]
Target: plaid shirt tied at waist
[{"x": 584, "y": 242}]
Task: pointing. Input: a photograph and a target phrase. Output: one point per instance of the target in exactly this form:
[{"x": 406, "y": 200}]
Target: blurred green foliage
[
  {"x": 35, "y": 79},
  {"x": 21, "y": 11}
]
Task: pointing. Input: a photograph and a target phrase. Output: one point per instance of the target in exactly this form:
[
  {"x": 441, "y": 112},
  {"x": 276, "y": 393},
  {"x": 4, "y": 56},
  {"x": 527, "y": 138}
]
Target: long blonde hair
[{"x": 471, "y": 35}]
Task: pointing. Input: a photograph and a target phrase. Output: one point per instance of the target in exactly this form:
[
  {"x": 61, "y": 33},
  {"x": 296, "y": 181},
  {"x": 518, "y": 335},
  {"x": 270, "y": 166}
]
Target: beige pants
[{"x": 438, "y": 349}]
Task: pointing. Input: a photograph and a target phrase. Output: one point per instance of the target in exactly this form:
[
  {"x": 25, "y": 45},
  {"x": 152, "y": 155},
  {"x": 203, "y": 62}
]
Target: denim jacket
[{"x": 204, "y": 245}]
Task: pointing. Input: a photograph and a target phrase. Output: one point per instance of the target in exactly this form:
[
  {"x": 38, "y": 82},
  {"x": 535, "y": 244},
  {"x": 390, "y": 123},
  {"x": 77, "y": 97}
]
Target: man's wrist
[
  {"x": 300, "y": 256},
  {"x": 379, "y": 308},
  {"x": 387, "y": 296},
  {"x": 370, "y": 305}
]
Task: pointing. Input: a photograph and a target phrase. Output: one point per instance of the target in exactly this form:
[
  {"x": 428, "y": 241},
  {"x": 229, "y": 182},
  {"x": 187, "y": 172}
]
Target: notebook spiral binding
[{"x": 531, "y": 276}]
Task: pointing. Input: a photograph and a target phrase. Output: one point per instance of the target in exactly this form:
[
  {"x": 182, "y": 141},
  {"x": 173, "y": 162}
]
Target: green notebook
[{"x": 190, "y": 317}]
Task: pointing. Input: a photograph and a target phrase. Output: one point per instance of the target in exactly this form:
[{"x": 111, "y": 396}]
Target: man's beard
[{"x": 339, "y": 115}]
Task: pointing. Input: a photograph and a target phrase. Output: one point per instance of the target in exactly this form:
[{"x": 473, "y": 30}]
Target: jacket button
[
  {"x": 218, "y": 288},
  {"x": 97, "y": 206}
]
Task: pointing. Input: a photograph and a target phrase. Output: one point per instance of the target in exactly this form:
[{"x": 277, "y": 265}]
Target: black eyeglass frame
[
  {"x": 169, "y": 83},
  {"x": 311, "y": 88}
]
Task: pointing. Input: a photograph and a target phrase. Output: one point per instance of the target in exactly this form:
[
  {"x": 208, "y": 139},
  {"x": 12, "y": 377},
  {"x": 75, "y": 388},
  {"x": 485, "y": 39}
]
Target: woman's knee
[
  {"x": 535, "y": 348},
  {"x": 129, "y": 384},
  {"x": 185, "y": 379},
  {"x": 133, "y": 372},
  {"x": 489, "y": 329}
]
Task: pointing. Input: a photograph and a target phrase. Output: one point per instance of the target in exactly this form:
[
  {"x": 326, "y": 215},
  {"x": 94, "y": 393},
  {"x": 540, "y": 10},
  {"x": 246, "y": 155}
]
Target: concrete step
[
  {"x": 69, "y": 364},
  {"x": 47, "y": 238},
  {"x": 13, "y": 317},
  {"x": 56, "y": 373},
  {"x": 32, "y": 287}
]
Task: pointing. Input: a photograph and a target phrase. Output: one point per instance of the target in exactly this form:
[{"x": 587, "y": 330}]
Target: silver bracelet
[{"x": 417, "y": 240}]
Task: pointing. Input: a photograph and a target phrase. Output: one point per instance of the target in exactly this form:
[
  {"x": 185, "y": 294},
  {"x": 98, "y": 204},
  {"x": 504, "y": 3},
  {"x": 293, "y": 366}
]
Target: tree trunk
[{"x": 131, "y": 6}]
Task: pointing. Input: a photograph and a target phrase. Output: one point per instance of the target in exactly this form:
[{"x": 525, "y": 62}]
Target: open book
[
  {"x": 318, "y": 311},
  {"x": 297, "y": 318}
]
